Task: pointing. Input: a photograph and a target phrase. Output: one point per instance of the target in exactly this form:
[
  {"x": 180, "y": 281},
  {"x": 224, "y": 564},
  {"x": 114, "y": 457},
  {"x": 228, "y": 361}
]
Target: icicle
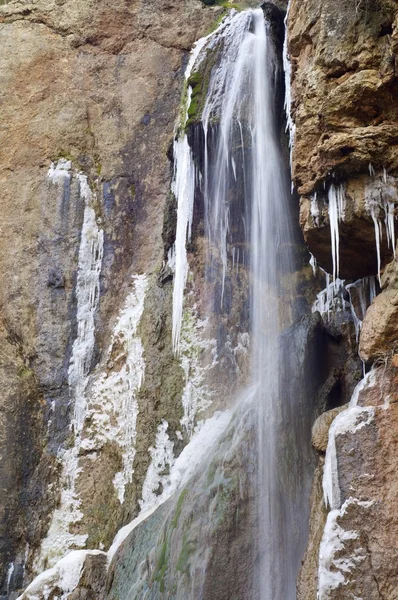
[
  {"x": 371, "y": 170},
  {"x": 372, "y": 289},
  {"x": 290, "y": 125},
  {"x": 183, "y": 187},
  {"x": 381, "y": 195},
  {"x": 336, "y": 197},
  {"x": 331, "y": 299},
  {"x": 10, "y": 573},
  {"x": 313, "y": 263}
]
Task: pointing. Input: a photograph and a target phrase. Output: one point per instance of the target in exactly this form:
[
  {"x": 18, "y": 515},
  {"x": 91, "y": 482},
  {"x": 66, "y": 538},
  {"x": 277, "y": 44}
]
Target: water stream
[{"x": 246, "y": 197}]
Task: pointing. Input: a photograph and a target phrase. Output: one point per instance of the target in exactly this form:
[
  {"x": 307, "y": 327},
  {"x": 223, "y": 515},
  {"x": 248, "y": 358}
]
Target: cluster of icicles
[
  {"x": 380, "y": 195},
  {"x": 338, "y": 296},
  {"x": 380, "y": 198}
]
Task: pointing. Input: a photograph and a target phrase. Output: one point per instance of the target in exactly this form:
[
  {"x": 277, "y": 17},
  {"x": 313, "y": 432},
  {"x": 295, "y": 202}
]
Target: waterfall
[{"x": 240, "y": 176}]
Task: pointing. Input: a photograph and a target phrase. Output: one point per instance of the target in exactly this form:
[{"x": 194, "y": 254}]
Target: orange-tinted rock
[{"x": 344, "y": 87}]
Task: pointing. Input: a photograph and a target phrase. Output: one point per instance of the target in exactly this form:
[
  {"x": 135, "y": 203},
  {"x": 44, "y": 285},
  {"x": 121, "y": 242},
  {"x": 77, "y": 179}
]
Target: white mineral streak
[
  {"x": 332, "y": 571},
  {"x": 337, "y": 205},
  {"x": 287, "y": 67},
  {"x": 59, "y": 539},
  {"x": 113, "y": 407},
  {"x": 194, "y": 349},
  {"x": 348, "y": 421},
  {"x": 64, "y": 576},
  {"x": 380, "y": 199},
  {"x": 205, "y": 436}
]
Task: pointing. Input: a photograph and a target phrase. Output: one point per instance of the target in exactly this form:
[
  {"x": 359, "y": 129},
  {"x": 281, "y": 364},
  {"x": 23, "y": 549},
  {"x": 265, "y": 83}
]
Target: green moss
[
  {"x": 161, "y": 565},
  {"x": 25, "y": 373},
  {"x": 178, "y": 508},
  {"x": 187, "y": 550},
  {"x": 223, "y": 3},
  {"x": 211, "y": 471},
  {"x": 216, "y": 23},
  {"x": 62, "y": 154}
]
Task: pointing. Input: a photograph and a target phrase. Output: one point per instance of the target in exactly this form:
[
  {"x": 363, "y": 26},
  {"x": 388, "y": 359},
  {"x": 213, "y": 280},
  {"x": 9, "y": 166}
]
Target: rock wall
[
  {"x": 91, "y": 93},
  {"x": 96, "y": 85},
  {"x": 343, "y": 74}
]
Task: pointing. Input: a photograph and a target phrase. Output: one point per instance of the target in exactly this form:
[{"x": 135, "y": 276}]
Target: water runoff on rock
[{"x": 240, "y": 179}]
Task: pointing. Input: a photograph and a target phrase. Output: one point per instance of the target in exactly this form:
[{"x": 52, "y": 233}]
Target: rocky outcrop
[
  {"x": 379, "y": 335},
  {"x": 345, "y": 122},
  {"x": 345, "y": 164}
]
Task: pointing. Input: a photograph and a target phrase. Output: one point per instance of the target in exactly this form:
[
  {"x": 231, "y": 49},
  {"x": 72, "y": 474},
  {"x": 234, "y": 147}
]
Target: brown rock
[
  {"x": 320, "y": 429},
  {"x": 340, "y": 90},
  {"x": 369, "y": 483},
  {"x": 100, "y": 84},
  {"x": 346, "y": 119},
  {"x": 307, "y": 581},
  {"x": 379, "y": 335}
]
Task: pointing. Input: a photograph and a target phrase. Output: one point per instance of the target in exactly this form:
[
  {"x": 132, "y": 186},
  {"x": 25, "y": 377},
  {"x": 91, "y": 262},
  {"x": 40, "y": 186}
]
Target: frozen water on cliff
[
  {"x": 87, "y": 295},
  {"x": 348, "y": 421},
  {"x": 195, "y": 346},
  {"x": 59, "y": 539},
  {"x": 337, "y": 205},
  {"x": 60, "y": 172},
  {"x": 62, "y": 579},
  {"x": 380, "y": 198},
  {"x": 113, "y": 408},
  {"x": 333, "y": 570},
  {"x": 287, "y": 67},
  {"x": 182, "y": 468}
]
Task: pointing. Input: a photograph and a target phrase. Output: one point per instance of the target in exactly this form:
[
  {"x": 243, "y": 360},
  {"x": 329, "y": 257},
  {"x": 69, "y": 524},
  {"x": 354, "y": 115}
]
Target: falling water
[{"x": 241, "y": 178}]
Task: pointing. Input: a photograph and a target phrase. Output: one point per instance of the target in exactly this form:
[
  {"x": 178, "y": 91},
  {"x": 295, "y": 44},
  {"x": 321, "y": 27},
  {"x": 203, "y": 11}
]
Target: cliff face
[
  {"x": 344, "y": 85},
  {"x": 91, "y": 93},
  {"x": 94, "y": 88}
]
